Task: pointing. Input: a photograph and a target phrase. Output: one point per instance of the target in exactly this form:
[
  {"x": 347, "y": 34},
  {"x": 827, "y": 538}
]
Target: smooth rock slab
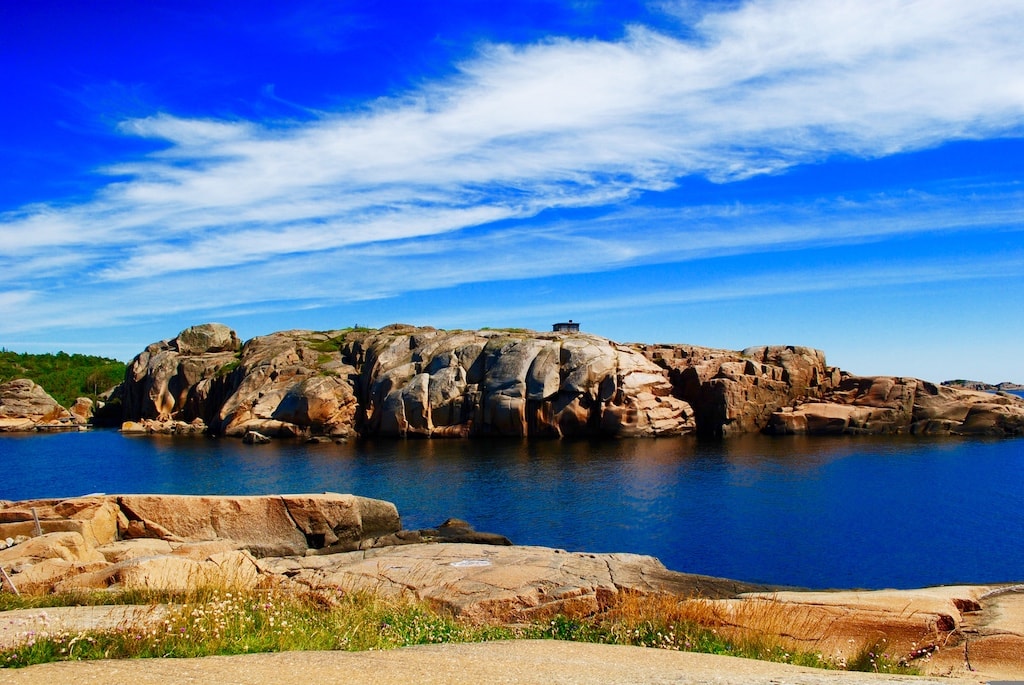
[{"x": 504, "y": 582}]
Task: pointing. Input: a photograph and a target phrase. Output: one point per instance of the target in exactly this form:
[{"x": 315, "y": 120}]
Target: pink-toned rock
[
  {"x": 341, "y": 522},
  {"x": 402, "y": 380},
  {"x": 886, "y": 404},
  {"x": 123, "y": 550},
  {"x": 262, "y": 524},
  {"x": 44, "y": 576},
  {"x": 265, "y": 525},
  {"x": 485, "y": 582},
  {"x": 69, "y": 546},
  {"x": 82, "y": 410},
  {"x": 25, "y": 406},
  {"x": 733, "y": 393}
]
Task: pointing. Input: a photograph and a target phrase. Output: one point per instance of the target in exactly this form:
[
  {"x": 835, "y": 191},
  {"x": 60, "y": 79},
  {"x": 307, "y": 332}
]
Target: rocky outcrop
[
  {"x": 183, "y": 377},
  {"x": 25, "y": 406},
  {"x": 406, "y": 381},
  {"x": 342, "y": 542},
  {"x": 737, "y": 392},
  {"x": 890, "y": 405},
  {"x": 1005, "y": 386},
  {"x": 172, "y": 541},
  {"x": 121, "y": 540},
  {"x": 402, "y": 381},
  {"x": 499, "y": 582},
  {"x": 791, "y": 390}
]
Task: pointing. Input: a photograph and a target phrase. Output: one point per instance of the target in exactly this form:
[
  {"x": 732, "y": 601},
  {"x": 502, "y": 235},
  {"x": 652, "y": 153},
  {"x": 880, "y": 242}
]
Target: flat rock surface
[
  {"x": 488, "y": 581},
  {"x": 522, "y": 661}
]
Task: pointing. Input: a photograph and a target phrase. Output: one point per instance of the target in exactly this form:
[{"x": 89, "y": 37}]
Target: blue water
[{"x": 814, "y": 512}]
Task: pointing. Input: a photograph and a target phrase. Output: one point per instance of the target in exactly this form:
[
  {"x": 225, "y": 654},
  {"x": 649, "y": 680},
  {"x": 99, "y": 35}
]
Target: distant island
[
  {"x": 405, "y": 381},
  {"x": 984, "y": 387}
]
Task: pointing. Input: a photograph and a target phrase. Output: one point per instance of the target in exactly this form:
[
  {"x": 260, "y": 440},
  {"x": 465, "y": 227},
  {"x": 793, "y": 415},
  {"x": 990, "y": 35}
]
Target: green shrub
[{"x": 64, "y": 376}]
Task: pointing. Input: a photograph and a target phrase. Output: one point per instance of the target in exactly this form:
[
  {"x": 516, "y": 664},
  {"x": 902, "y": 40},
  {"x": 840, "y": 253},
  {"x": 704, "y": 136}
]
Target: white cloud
[{"x": 522, "y": 129}]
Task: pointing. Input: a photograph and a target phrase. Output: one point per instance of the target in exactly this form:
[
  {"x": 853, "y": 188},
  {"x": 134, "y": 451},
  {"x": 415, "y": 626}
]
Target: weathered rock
[
  {"x": 486, "y": 581},
  {"x": 341, "y": 522},
  {"x": 82, "y": 410},
  {"x": 885, "y": 405},
  {"x": 407, "y": 381},
  {"x": 25, "y": 406},
  {"x": 459, "y": 531},
  {"x": 254, "y": 438},
  {"x": 206, "y": 338},
  {"x": 401, "y": 381},
  {"x": 737, "y": 392},
  {"x": 264, "y": 525},
  {"x": 163, "y": 427},
  {"x": 69, "y": 546},
  {"x": 94, "y": 518},
  {"x": 514, "y": 383},
  {"x": 99, "y": 541},
  {"x": 164, "y": 383},
  {"x": 290, "y": 384},
  {"x": 123, "y": 550}
]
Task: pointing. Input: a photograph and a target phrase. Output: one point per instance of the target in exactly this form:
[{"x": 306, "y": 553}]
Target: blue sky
[{"x": 843, "y": 175}]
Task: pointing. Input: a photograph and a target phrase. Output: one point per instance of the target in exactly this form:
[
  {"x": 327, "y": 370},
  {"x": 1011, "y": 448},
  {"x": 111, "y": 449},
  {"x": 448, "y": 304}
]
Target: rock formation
[
  {"x": 25, "y": 406},
  {"x": 791, "y": 390},
  {"x": 888, "y": 405},
  {"x": 402, "y": 381},
  {"x": 406, "y": 381},
  {"x": 330, "y": 543},
  {"x": 103, "y": 540},
  {"x": 737, "y": 392}
]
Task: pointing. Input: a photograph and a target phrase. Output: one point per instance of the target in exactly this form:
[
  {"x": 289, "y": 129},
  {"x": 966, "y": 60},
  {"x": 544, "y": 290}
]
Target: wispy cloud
[{"x": 461, "y": 168}]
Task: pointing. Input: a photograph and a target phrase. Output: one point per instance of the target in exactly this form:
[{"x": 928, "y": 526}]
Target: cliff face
[
  {"x": 407, "y": 381},
  {"x": 403, "y": 381}
]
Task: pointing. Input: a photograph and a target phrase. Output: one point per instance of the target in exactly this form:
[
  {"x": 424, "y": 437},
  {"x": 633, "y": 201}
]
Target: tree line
[{"x": 65, "y": 376}]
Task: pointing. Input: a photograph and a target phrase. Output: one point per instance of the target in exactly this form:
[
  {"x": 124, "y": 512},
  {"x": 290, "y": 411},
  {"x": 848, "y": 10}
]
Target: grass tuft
[{"x": 218, "y": 621}]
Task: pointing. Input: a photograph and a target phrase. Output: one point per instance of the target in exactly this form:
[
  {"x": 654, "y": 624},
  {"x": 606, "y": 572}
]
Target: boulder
[
  {"x": 82, "y": 410},
  {"x": 341, "y": 522},
  {"x": 252, "y": 437},
  {"x": 261, "y": 524},
  {"x": 25, "y": 406},
  {"x": 94, "y": 518},
  {"x": 69, "y": 546},
  {"x": 206, "y": 338},
  {"x": 170, "y": 573},
  {"x": 264, "y": 525}
]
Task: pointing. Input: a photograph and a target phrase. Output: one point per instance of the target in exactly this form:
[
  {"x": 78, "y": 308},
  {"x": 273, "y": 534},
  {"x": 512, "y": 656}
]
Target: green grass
[
  {"x": 208, "y": 622},
  {"x": 247, "y": 622},
  {"x": 64, "y": 376}
]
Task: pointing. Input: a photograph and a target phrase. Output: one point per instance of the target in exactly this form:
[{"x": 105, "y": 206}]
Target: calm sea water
[{"x": 813, "y": 512}]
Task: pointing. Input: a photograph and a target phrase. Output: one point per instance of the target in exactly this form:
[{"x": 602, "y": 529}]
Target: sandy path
[{"x": 522, "y": 661}]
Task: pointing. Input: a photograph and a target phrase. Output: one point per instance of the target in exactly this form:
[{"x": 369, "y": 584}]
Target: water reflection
[{"x": 818, "y": 512}]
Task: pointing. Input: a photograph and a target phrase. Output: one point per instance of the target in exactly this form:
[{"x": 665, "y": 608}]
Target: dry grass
[{"x": 212, "y": 620}]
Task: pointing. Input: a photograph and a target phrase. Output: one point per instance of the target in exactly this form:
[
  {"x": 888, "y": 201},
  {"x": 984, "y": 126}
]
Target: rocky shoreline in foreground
[
  {"x": 406, "y": 381},
  {"x": 334, "y": 542}
]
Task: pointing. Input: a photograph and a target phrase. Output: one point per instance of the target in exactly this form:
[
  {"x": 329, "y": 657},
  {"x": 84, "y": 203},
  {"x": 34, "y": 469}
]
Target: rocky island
[{"x": 407, "y": 381}]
